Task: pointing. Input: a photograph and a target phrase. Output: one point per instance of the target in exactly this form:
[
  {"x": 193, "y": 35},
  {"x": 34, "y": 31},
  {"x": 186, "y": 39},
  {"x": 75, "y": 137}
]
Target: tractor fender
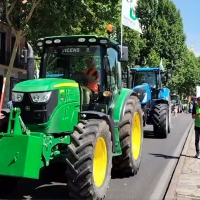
[
  {"x": 164, "y": 93},
  {"x": 107, "y": 118},
  {"x": 154, "y": 102},
  {"x": 119, "y": 103},
  {"x": 132, "y": 93}
]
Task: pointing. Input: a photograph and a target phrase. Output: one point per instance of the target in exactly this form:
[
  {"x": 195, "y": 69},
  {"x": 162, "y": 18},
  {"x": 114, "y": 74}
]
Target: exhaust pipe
[{"x": 30, "y": 62}]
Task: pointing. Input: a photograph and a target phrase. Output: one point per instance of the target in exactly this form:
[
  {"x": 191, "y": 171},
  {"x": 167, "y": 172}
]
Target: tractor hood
[
  {"x": 143, "y": 92},
  {"x": 44, "y": 84}
]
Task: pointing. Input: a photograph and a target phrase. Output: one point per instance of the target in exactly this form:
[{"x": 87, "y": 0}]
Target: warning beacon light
[{"x": 109, "y": 29}]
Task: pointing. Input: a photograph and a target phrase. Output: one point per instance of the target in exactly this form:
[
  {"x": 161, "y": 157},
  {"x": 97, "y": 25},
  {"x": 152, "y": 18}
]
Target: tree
[
  {"x": 187, "y": 75},
  {"x": 89, "y": 17},
  {"x": 162, "y": 28},
  {"x": 18, "y": 14}
]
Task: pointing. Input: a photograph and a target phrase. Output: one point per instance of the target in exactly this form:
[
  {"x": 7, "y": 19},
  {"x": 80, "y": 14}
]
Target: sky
[{"x": 190, "y": 12}]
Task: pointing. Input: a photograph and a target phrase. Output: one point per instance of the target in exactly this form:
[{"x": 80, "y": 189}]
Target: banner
[
  {"x": 129, "y": 18},
  {"x": 198, "y": 91}
]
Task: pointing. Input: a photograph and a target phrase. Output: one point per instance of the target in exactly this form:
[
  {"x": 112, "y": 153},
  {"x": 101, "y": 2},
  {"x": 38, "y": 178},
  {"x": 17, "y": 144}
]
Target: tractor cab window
[
  {"x": 114, "y": 73},
  {"x": 145, "y": 78},
  {"x": 174, "y": 97},
  {"x": 63, "y": 61}
]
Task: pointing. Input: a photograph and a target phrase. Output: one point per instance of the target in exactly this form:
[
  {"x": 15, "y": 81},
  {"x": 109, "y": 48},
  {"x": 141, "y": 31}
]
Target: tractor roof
[
  {"x": 78, "y": 40},
  {"x": 147, "y": 69}
]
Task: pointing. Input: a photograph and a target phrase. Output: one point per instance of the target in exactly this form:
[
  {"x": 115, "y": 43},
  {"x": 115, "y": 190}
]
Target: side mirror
[
  {"x": 163, "y": 79},
  {"x": 124, "y": 56}
]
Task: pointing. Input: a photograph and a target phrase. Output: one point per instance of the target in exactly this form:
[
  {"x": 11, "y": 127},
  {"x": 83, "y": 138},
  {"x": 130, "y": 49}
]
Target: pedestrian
[
  {"x": 196, "y": 117},
  {"x": 187, "y": 108},
  {"x": 191, "y": 107},
  {"x": 175, "y": 110}
]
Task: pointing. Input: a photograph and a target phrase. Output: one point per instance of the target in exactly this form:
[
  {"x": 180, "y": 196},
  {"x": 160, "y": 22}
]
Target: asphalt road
[{"x": 156, "y": 155}]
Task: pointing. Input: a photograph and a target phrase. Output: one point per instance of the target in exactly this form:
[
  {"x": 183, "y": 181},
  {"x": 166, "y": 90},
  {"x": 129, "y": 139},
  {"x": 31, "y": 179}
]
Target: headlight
[
  {"x": 145, "y": 97},
  {"x": 40, "y": 97},
  {"x": 17, "y": 96}
]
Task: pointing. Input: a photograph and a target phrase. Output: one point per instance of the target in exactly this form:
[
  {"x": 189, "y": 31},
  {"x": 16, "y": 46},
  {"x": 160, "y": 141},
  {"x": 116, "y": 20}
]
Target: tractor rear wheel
[
  {"x": 161, "y": 120},
  {"x": 131, "y": 139},
  {"x": 89, "y": 161}
]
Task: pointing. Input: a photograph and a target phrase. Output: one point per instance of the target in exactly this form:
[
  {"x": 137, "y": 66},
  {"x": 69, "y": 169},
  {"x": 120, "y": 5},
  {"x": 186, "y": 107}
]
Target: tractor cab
[
  {"x": 147, "y": 83},
  {"x": 69, "y": 57}
]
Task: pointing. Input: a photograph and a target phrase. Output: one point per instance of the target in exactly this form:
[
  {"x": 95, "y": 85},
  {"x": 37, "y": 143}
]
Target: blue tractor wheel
[{"x": 161, "y": 120}]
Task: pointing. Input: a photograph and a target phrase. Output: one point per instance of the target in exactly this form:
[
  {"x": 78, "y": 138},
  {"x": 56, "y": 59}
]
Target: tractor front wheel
[
  {"x": 161, "y": 120},
  {"x": 131, "y": 139},
  {"x": 89, "y": 160}
]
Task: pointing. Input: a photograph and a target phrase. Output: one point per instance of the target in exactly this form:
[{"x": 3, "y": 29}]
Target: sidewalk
[{"x": 185, "y": 184}]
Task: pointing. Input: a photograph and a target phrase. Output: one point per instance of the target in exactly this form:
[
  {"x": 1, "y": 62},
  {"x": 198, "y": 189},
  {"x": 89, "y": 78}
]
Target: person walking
[
  {"x": 196, "y": 117},
  {"x": 191, "y": 107},
  {"x": 175, "y": 110}
]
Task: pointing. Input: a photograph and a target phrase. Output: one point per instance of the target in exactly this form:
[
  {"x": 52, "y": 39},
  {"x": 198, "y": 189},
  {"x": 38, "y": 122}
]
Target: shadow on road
[
  {"x": 40, "y": 190},
  {"x": 52, "y": 185},
  {"x": 164, "y": 156},
  {"x": 34, "y": 189},
  {"x": 150, "y": 135}
]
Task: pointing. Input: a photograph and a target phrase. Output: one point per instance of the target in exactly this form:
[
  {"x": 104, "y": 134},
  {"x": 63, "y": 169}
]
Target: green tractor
[{"x": 53, "y": 121}]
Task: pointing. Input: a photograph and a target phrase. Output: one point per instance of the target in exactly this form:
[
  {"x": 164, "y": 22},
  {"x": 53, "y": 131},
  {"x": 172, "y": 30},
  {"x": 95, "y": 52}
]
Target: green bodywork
[
  {"x": 117, "y": 107},
  {"x": 68, "y": 102},
  {"x": 25, "y": 149}
]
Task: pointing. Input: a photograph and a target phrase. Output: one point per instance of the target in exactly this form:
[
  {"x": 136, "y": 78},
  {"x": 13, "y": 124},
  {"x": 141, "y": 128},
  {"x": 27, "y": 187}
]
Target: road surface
[{"x": 156, "y": 155}]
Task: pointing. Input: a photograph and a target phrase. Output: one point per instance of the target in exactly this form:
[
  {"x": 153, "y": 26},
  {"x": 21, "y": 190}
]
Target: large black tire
[
  {"x": 161, "y": 120},
  {"x": 80, "y": 172},
  {"x": 126, "y": 164},
  {"x": 169, "y": 120}
]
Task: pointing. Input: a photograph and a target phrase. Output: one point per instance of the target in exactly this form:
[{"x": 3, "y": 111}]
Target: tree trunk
[{"x": 18, "y": 36}]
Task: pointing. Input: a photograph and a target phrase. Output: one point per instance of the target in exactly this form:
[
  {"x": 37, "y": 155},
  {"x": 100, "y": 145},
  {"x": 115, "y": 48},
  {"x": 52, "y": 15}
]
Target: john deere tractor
[
  {"x": 154, "y": 98},
  {"x": 53, "y": 120}
]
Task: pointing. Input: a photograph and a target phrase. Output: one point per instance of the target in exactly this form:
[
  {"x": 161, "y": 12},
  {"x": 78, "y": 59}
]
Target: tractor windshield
[
  {"x": 144, "y": 77},
  {"x": 65, "y": 60},
  {"x": 174, "y": 97}
]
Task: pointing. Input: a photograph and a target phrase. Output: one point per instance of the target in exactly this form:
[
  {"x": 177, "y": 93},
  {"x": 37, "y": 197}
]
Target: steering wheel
[{"x": 80, "y": 78}]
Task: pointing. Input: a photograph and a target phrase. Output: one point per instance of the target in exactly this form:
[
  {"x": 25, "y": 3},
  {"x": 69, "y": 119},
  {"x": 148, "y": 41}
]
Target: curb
[{"x": 171, "y": 192}]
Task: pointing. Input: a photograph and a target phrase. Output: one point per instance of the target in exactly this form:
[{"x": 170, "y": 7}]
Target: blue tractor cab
[{"x": 154, "y": 98}]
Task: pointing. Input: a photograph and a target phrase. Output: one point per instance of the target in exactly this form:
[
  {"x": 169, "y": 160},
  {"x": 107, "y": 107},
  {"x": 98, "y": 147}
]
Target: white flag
[
  {"x": 129, "y": 18},
  {"x": 161, "y": 64}
]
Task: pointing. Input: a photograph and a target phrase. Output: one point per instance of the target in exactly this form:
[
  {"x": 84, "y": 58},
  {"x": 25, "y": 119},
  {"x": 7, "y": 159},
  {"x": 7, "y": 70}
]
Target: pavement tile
[{"x": 188, "y": 186}]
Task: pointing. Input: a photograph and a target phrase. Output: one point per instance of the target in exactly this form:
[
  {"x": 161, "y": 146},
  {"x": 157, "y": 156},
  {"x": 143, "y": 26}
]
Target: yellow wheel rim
[
  {"x": 136, "y": 135},
  {"x": 100, "y": 162}
]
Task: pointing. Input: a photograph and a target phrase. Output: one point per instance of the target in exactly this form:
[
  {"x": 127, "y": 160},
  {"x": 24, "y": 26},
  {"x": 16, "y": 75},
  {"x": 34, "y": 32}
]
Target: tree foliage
[
  {"x": 18, "y": 14},
  {"x": 162, "y": 31}
]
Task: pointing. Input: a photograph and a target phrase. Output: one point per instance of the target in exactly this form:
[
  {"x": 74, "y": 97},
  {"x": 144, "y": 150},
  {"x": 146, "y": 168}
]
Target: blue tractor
[{"x": 154, "y": 98}]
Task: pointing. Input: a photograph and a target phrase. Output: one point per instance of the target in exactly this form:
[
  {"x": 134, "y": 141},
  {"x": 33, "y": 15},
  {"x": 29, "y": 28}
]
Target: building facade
[{"x": 7, "y": 40}]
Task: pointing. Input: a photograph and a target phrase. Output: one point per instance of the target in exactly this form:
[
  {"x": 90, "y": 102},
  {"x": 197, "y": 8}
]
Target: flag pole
[
  {"x": 121, "y": 38},
  {"x": 121, "y": 27}
]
